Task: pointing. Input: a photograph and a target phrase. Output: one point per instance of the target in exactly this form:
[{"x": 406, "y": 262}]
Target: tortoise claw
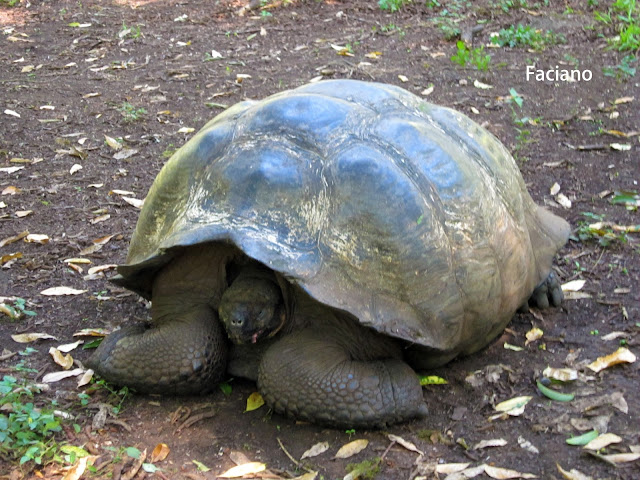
[{"x": 547, "y": 294}]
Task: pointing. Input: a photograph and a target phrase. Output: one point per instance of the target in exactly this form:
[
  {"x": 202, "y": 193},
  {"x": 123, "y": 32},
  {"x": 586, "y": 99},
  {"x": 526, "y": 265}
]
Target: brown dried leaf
[
  {"x": 494, "y": 442},
  {"x": 561, "y": 374},
  {"x": 78, "y": 469},
  {"x": 315, "y": 450},
  {"x": 136, "y": 202},
  {"x": 533, "y": 335},
  {"x": 573, "y": 474},
  {"x": 85, "y": 379},
  {"x": 57, "y": 291},
  {"x": 160, "y": 452},
  {"x": 622, "y": 355},
  {"x": 112, "y": 142},
  {"x": 602, "y": 441},
  {"x": 244, "y": 469},
  {"x": 14, "y": 238},
  {"x": 77, "y": 260},
  {"x": 352, "y": 448},
  {"x": 68, "y": 347},
  {"x": 99, "y": 219},
  {"x": 505, "y": 473},
  {"x": 125, "y": 153},
  {"x": 11, "y": 256},
  {"x": 65, "y": 361},
  {"x": 31, "y": 337},
  {"x": 97, "y": 244},
  {"x": 620, "y": 100},
  {"x": 23, "y": 213},
  {"x": 92, "y": 332},
  {"x": 406, "y": 444},
  {"x": 101, "y": 268},
  {"x": 42, "y": 239},
  {"x": 451, "y": 467},
  {"x": 57, "y": 376}
]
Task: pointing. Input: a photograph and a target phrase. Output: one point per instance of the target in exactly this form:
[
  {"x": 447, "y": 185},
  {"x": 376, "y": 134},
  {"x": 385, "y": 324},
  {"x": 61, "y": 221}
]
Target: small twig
[
  {"x": 196, "y": 418},
  {"x": 296, "y": 462},
  {"x": 393, "y": 442},
  {"x": 122, "y": 423}
]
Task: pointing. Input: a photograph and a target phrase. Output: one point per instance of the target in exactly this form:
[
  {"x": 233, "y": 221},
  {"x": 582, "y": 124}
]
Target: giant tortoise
[{"x": 328, "y": 241}]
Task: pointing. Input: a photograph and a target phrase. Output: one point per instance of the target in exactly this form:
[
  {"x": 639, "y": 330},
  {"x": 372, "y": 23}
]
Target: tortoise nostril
[{"x": 237, "y": 322}]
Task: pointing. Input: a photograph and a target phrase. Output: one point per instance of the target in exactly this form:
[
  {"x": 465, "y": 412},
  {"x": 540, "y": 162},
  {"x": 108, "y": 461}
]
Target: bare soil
[{"x": 64, "y": 87}]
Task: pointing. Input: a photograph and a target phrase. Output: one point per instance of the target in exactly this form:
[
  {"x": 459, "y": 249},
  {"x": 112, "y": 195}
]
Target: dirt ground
[{"x": 149, "y": 72}]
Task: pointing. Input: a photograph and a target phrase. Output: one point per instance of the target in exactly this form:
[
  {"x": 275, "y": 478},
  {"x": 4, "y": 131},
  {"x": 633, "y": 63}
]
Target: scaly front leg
[{"x": 184, "y": 354}]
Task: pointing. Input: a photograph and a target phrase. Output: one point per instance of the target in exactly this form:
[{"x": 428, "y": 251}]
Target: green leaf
[
  {"x": 133, "y": 452},
  {"x": 583, "y": 439},
  {"x": 77, "y": 451},
  {"x": 201, "y": 466},
  {"x": 226, "y": 388},
  {"x": 432, "y": 380},
  {"x": 254, "y": 402},
  {"x": 150, "y": 468},
  {"x": 553, "y": 395}
]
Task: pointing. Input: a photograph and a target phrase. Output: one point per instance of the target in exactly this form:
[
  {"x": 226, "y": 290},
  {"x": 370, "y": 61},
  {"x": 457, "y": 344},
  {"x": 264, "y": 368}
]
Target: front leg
[
  {"x": 184, "y": 354},
  {"x": 309, "y": 375}
]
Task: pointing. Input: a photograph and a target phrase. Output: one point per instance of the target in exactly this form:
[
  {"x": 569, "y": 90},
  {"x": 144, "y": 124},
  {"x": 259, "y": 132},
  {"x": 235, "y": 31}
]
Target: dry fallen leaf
[
  {"x": 78, "y": 469},
  {"x": 620, "y": 100},
  {"x": 533, "y": 335},
  {"x": 57, "y": 376},
  {"x": 10, "y": 169},
  {"x": 352, "y": 448},
  {"x": 14, "y": 238},
  {"x": 112, "y": 142},
  {"x": 315, "y": 450},
  {"x": 514, "y": 406},
  {"x": 618, "y": 457},
  {"x": 136, "y": 202},
  {"x": 483, "y": 86},
  {"x": 505, "y": 473},
  {"x": 466, "y": 473},
  {"x": 561, "y": 374},
  {"x": 92, "y": 332},
  {"x": 495, "y": 442},
  {"x": 97, "y": 244},
  {"x": 56, "y": 291},
  {"x": 602, "y": 441},
  {"x": 573, "y": 286},
  {"x": 42, "y": 239},
  {"x": 125, "y": 153},
  {"x": 428, "y": 90},
  {"x": 242, "y": 470},
  {"x": 573, "y": 474},
  {"x": 101, "y": 268},
  {"x": 65, "y": 361},
  {"x": 622, "y": 355},
  {"x": 160, "y": 452},
  {"x": 406, "y": 444},
  {"x": 85, "y": 379},
  {"x": 451, "y": 467},
  {"x": 31, "y": 337},
  {"x": 68, "y": 347}
]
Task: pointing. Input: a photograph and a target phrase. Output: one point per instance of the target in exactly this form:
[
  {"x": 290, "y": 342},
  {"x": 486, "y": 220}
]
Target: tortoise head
[{"x": 252, "y": 308}]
